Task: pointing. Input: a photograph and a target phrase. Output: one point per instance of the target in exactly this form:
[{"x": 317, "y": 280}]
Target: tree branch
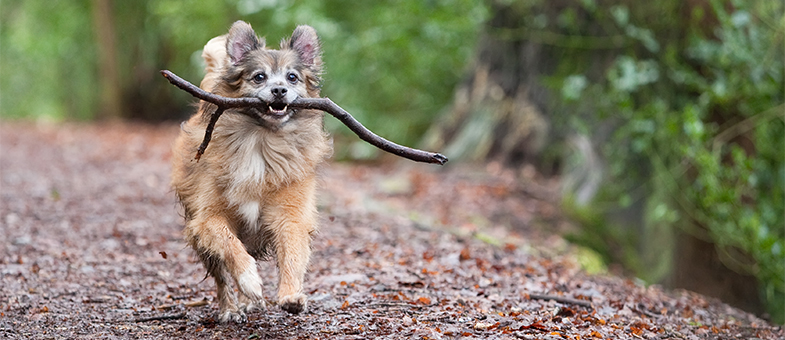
[{"x": 322, "y": 104}]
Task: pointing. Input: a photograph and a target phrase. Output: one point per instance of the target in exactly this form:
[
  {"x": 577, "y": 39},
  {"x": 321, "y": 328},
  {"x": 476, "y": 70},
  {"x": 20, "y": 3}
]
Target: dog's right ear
[{"x": 242, "y": 39}]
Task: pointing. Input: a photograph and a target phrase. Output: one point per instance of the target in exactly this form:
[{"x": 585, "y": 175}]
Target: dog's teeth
[{"x": 277, "y": 112}]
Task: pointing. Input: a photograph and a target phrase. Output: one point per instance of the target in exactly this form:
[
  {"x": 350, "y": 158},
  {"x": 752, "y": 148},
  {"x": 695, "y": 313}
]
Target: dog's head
[{"x": 276, "y": 76}]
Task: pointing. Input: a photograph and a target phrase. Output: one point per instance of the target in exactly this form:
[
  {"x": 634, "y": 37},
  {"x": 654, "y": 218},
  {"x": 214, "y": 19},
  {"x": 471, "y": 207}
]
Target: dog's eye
[
  {"x": 259, "y": 78},
  {"x": 292, "y": 78}
]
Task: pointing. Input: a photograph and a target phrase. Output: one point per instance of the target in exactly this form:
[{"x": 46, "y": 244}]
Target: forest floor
[{"x": 92, "y": 249}]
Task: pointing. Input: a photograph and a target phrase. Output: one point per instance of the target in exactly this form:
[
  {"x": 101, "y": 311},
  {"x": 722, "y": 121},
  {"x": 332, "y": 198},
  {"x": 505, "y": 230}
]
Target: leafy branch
[{"x": 322, "y": 104}]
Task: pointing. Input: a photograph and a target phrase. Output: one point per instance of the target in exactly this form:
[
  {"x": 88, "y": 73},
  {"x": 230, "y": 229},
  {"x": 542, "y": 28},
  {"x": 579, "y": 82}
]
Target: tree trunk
[
  {"x": 108, "y": 69},
  {"x": 502, "y": 111},
  {"x": 497, "y": 110}
]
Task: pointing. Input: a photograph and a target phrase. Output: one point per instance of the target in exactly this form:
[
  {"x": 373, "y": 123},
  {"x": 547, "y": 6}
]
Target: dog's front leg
[
  {"x": 291, "y": 214},
  {"x": 219, "y": 249}
]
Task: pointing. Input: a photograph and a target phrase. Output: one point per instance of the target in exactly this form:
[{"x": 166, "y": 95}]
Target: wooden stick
[{"x": 323, "y": 104}]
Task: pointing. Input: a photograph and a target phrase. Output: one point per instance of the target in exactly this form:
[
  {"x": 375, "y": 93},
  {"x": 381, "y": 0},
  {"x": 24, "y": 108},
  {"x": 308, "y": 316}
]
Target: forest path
[{"x": 92, "y": 248}]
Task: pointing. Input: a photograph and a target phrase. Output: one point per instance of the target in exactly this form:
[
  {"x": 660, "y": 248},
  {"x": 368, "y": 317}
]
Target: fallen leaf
[
  {"x": 465, "y": 254},
  {"x": 535, "y": 325}
]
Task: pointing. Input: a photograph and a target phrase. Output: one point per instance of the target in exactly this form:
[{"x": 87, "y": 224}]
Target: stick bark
[{"x": 322, "y": 104}]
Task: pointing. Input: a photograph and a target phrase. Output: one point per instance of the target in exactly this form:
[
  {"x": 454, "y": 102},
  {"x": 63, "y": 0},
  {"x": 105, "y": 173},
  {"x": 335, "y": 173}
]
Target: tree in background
[{"x": 110, "y": 88}]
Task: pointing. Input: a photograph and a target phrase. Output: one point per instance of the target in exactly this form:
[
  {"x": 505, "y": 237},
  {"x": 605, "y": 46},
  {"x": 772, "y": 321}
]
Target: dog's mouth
[
  {"x": 278, "y": 109},
  {"x": 274, "y": 114}
]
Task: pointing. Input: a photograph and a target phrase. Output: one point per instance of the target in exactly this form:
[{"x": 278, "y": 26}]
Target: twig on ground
[
  {"x": 192, "y": 304},
  {"x": 561, "y": 299},
  {"x": 391, "y": 304},
  {"x": 646, "y": 312},
  {"x": 161, "y": 317},
  {"x": 97, "y": 299},
  {"x": 323, "y": 104}
]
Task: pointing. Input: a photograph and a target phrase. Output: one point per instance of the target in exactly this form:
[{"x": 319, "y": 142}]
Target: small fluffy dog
[{"x": 252, "y": 193}]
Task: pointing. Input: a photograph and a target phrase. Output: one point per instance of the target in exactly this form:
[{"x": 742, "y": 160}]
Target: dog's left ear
[{"x": 305, "y": 42}]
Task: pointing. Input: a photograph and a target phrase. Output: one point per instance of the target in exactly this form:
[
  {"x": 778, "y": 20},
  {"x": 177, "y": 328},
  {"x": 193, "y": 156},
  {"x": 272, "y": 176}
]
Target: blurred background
[{"x": 665, "y": 121}]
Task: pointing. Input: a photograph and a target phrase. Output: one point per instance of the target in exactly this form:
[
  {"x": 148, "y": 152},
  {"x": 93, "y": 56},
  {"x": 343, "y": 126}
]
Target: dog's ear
[
  {"x": 215, "y": 59},
  {"x": 305, "y": 42},
  {"x": 242, "y": 39}
]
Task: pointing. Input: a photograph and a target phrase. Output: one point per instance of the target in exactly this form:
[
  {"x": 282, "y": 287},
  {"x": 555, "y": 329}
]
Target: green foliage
[
  {"x": 391, "y": 64},
  {"x": 43, "y": 54},
  {"x": 699, "y": 130}
]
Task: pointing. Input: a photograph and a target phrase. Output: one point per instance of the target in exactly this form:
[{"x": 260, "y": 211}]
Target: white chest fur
[{"x": 246, "y": 172}]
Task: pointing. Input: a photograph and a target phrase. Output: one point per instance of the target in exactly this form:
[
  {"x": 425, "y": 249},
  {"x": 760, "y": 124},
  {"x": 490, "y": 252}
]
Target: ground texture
[{"x": 90, "y": 248}]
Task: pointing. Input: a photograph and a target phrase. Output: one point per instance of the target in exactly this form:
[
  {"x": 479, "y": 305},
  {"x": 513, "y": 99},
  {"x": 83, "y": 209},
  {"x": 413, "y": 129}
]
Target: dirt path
[{"x": 91, "y": 248}]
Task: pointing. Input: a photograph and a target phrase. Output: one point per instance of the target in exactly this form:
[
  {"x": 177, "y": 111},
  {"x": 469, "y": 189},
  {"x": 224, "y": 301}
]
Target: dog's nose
[{"x": 278, "y": 92}]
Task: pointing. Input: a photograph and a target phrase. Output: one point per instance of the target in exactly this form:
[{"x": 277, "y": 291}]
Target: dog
[{"x": 253, "y": 192}]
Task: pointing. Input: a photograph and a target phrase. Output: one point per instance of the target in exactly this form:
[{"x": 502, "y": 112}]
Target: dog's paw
[
  {"x": 236, "y": 316},
  {"x": 253, "y": 307},
  {"x": 249, "y": 306},
  {"x": 295, "y": 303}
]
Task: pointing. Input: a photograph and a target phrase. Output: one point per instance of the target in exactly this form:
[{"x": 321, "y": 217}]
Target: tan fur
[
  {"x": 215, "y": 58},
  {"x": 253, "y": 190}
]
